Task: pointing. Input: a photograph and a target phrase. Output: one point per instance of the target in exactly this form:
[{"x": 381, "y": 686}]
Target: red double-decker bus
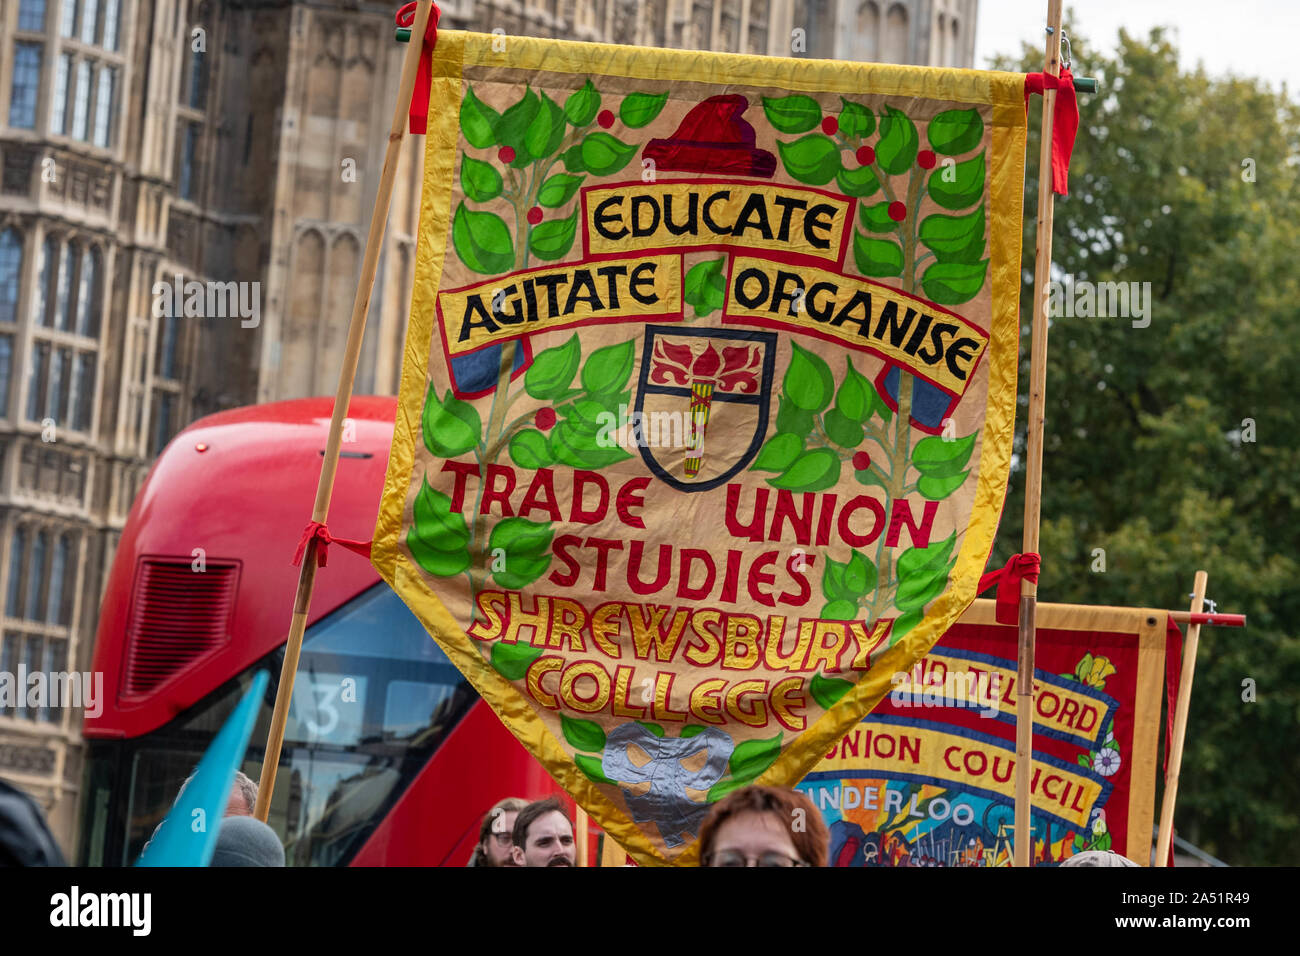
[{"x": 389, "y": 758}]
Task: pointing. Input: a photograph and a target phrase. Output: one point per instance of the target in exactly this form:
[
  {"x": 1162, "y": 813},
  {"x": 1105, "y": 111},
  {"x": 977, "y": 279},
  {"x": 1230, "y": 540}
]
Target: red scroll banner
[{"x": 928, "y": 779}]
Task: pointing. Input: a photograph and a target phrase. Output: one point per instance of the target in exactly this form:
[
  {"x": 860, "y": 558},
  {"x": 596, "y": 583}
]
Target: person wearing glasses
[
  {"x": 764, "y": 826},
  {"x": 494, "y": 834}
]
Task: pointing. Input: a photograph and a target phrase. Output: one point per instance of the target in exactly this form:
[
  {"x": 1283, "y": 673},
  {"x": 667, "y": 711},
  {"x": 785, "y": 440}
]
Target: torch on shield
[{"x": 718, "y": 377}]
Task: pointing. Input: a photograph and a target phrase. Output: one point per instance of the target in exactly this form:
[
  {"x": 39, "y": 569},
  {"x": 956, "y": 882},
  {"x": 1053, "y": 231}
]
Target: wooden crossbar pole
[
  {"x": 1166, "y": 832},
  {"x": 342, "y": 399}
]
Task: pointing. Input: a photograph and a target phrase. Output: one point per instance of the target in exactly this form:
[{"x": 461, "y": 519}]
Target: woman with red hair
[{"x": 764, "y": 826}]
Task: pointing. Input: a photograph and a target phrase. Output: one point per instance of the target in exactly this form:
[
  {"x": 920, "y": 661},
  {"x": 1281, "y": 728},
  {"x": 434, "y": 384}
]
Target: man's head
[
  {"x": 243, "y": 796},
  {"x": 543, "y": 835},
  {"x": 496, "y": 834}
]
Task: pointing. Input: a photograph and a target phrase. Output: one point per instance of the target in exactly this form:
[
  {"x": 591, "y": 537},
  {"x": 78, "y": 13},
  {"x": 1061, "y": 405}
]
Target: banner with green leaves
[{"x": 707, "y": 405}]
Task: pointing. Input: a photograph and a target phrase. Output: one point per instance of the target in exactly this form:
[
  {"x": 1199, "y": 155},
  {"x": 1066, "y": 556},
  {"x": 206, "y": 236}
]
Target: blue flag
[{"x": 188, "y": 834}]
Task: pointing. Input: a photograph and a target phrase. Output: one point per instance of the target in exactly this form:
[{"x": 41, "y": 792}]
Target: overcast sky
[{"x": 1246, "y": 37}]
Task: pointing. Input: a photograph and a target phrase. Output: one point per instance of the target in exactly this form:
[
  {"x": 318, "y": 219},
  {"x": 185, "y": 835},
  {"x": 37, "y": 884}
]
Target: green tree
[{"x": 1174, "y": 447}]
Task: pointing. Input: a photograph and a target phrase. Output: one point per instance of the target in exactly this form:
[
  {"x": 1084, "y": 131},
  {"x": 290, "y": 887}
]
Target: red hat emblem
[{"x": 713, "y": 138}]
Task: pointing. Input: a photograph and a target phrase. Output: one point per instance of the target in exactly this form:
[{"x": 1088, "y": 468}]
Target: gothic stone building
[{"x": 240, "y": 140}]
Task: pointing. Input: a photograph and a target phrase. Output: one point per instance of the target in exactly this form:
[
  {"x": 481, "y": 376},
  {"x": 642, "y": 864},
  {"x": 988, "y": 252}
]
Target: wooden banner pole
[
  {"x": 1034, "y": 447},
  {"x": 583, "y": 830},
  {"x": 1166, "y": 832},
  {"x": 342, "y": 399}
]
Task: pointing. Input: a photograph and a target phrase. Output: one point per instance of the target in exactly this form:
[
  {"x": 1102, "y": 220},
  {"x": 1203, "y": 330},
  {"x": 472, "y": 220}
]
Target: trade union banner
[
  {"x": 707, "y": 403},
  {"x": 928, "y": 779}
]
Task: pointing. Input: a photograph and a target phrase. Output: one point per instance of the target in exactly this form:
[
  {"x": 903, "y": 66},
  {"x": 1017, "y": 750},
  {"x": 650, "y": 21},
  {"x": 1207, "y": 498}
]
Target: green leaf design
[
  {"x": 1085, "y": 760},
  {"x": 877, "y": 257},
  {"x": 952, "y": 283},
  {"x": 779, "y": 453},
  {"x": 953, "y": 132},
  {"x": 553, "y": 239},
  {"x": 558, "y": 190},
  {"x": 815, "y": 159},
  {"x": 512, "y": 661},
  {"x": 840, "y": 610},
  {"x": 437, "y": 525},
  {"x": 552, "y": 370},
  {"x": 903, "y": 625},
  {"x": 842, "y": 430},
  {"x": 640, "y": 109},
  {"x": 521, "y": 537},
  {"x": 963, "y": 187},
  {"x": 521, "y": 572},
  {"x": 514, "y": 124},
  {"x": 859, "y": 575},
  {"x": 955, "y": 238},
  {"x": 926, "y": 560},
  {"x": 478, "y": 121},
  {"x": 724, "y": 787},
  {"x": 793, "y": 419},
  {"x": 860, "y": 182},
  {"x": 690, "y": 730},
  {"x": 577, "y": 449},
  {"x": 833, "y": 581},
  {"x": 936, "y": 489},
  {"x": 938, "y": 458},
  {"x": 479, "y": 180},
  {"x": 870, "y": 477},
  {"x": 451, "y": 427},
  {"x": 607, "y": 369},
  {"x": 582, "y": 734},
  {"x": 752, "y": 757},
  {"x": 604, "y": 155},
  {"x": 530, "y": 449},
  {"x": 482, "y": 241},
  {"x": 828, "y": 690},
  {"x": 592, "y": 768},
  {"x": 573, "y": 159},
  {"x": 706, "y": 286},
  {"x": 876, "y": 218},
  {"x": 856, "y": 397},
  {"x": 856, "y": 121},
  {"x": 898, "y": 144},
  {"x": 442, "y": 564},
  {"x": 438, "y": 537},
  {"x": 582, "y": 105},
  {"x": 919, "y": 590},
  {"x": 848, "y": 581},
  {"x": 654, "y": 728},
  {"x": 795, "y": 113},
  {"x": 808, "y": 381},
  {"x": 546, "y": 131},
  {"x": 814, "y": 470}
]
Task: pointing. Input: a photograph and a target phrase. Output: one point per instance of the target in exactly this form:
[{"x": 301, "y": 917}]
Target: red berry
[
  {"x": 861, "y": 461},
  {"x": 535, "y": 215},
  {"x": 605, "y": 119},
  {"x": 830, "y": 126},
  {"x": 866, "y": 156},
  {"x": 544, "y": 419},
  {"x": 506, "y": 154},
  {"x": 897, "y": 211},
  {"x": 925, "y": 159}
]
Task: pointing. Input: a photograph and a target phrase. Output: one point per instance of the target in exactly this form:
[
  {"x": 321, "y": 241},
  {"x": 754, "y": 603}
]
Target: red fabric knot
[
  {"x": 419, "y": 115},
  {"x": 1021, "y": 567},
  {"x": 1065, "y": 122},
  {"x": 316, "y": 531}
]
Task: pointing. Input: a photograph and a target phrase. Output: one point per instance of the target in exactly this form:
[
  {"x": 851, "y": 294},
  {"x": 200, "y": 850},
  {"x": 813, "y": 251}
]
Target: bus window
[{"x": 373, "y": 699}]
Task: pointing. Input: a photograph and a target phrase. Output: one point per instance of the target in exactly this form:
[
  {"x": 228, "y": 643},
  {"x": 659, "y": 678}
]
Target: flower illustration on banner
[{"x": 1106, "y": 762}]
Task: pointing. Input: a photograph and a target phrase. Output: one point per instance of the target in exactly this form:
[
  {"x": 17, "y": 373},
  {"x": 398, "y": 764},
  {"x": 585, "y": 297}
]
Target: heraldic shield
[{"x": 700, "y": 382}]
